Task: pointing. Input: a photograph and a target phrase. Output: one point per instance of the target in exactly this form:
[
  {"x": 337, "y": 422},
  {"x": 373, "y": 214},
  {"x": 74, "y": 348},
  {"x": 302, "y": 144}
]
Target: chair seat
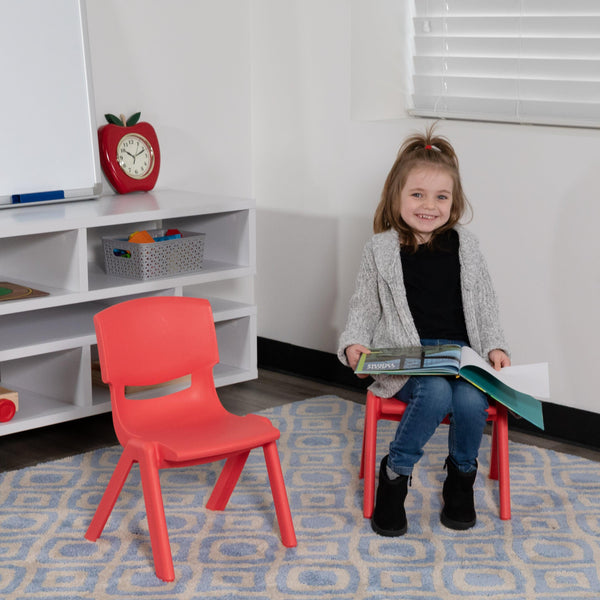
[{"x": 225, "y": 436}]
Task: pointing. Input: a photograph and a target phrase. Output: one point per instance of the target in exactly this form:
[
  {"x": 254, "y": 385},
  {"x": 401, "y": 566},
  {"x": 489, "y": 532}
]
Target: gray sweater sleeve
[{"x": 365, "y": 308}]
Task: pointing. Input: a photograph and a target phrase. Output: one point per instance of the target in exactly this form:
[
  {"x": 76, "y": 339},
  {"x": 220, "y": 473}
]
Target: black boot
[
  {"x": 389, "y": 517},
  {"x": 459, "y": 506}
]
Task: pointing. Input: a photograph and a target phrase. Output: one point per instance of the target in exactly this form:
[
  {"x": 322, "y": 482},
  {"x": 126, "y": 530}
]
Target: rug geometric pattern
[{"x": 549, "y": 550}]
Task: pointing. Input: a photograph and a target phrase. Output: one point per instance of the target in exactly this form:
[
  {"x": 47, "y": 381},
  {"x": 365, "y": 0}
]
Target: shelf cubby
[{"x": 48, "y": 343}]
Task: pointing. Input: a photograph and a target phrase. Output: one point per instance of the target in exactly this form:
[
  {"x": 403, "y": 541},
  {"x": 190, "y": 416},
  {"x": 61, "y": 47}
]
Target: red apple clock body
[{"x": 129, "y": 154}]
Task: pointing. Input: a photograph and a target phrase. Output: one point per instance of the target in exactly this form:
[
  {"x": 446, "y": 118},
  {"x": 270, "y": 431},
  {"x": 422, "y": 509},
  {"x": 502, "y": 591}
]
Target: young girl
[{"x": 423, "y": 281}]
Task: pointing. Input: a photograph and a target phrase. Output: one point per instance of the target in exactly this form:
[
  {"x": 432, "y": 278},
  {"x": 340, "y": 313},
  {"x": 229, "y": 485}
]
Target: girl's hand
[
  {"x": 353, "y": 354},
  {"x": 499, "y": 359}
]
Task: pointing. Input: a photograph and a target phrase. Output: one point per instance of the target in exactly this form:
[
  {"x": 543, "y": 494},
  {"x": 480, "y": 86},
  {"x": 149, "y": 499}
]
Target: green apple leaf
[
  {"x": 113, "y": 120},
  {"x": 133, "y": 119}
]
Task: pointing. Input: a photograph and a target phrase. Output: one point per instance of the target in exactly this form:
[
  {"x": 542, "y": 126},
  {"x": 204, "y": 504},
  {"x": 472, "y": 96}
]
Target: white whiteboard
[{"x": 48, "y": 136}]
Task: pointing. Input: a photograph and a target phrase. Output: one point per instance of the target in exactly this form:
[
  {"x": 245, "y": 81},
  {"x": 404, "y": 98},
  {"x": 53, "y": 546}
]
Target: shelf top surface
[{"x": 109, "y": 210}]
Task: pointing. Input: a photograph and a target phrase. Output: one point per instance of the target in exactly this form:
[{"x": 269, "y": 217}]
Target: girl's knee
[
  {"x": 437, "y": 391},
  {"x": 469, "y": 399},
  {"x": 438, "y": 386}
]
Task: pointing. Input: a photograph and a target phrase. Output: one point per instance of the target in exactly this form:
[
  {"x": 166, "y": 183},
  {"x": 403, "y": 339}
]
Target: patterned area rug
[{"x": 549, "y": 550}]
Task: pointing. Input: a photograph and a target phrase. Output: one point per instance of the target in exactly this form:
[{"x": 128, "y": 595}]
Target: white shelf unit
[{"x": 47, "y": 344}]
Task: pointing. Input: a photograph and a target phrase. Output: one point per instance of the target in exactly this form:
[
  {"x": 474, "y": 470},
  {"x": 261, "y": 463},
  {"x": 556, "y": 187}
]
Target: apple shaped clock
[{"x": 129, "y": 153}]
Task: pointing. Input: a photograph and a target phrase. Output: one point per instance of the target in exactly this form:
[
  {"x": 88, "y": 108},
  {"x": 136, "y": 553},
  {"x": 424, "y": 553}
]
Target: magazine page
[
  {"x": 524, "y": 405},
  {"x": 528, "y": 379}
]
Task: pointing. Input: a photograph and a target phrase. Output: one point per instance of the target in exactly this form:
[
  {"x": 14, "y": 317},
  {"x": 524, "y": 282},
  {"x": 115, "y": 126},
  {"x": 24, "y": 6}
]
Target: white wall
[
  {"x": 320, "y": 70},
  {"x": 186, "y": 65},
  {"x": 300, "y": 103}
]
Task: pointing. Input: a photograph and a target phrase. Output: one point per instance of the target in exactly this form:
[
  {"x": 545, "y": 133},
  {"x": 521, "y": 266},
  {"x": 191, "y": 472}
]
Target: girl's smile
[{"x": 426, "y": 200}]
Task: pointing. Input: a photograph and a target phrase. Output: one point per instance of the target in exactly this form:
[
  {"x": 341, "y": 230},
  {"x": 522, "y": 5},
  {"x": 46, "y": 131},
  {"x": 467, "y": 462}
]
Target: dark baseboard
[
  {"x": 310, "y": 364},
  {"x": 562, "y": 423}
]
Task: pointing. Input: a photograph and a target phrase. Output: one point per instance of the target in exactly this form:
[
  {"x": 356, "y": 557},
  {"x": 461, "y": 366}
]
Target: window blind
[{"x": 521, "y": 61}]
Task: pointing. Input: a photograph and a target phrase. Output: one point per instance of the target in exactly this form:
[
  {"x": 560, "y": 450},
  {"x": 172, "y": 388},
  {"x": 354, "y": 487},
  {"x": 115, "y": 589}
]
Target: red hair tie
[{"x": 428, "y": 147}]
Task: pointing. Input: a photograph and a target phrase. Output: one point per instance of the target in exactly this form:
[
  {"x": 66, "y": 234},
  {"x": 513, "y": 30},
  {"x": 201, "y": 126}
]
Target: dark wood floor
[{"x": 270, "y": 389}]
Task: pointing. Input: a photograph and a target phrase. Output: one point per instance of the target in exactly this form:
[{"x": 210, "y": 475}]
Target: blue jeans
[{"x": 429, "y": 399}]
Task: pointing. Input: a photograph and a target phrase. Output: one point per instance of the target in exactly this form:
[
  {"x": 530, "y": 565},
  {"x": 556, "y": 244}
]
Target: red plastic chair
[
  {"x": 149, "y": 341},
  {"x": 392, "y": 409}
]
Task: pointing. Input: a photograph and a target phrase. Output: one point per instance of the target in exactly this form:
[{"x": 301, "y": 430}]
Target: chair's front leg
[
  {"x": 280, "y": 499},
  {"x": 369, "y": 456},
  {"x": 155, "y": 513},
  {"x": 503, "y": 462}
]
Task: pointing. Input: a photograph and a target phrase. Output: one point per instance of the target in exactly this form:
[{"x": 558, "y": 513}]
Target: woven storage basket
[{"x": 154, "y": 260}]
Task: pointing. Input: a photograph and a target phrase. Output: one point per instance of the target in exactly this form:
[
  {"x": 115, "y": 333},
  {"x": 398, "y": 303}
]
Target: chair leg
[
  {"x": 280, "y": 499},
  {"x": 361, "y": 472},
  {"x": 503, "y": 461},
  {"x": 494, "y": 452},
  {"x": 368, "y": 460},
  {"x": 109, "y": 498},
  {"x": 155, "y": 513},
  {"x": 227, "y": 481}
]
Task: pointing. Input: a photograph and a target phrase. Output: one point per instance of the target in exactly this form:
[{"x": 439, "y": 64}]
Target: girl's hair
[{"x": 419, "y": 150}]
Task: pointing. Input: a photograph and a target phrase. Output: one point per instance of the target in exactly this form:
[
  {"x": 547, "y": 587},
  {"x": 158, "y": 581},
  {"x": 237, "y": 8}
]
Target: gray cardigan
[{"x": 379, "y": 316}]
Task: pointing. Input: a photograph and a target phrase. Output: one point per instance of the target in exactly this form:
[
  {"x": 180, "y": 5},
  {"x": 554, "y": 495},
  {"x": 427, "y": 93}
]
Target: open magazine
[{"x": 520, "y": 388}]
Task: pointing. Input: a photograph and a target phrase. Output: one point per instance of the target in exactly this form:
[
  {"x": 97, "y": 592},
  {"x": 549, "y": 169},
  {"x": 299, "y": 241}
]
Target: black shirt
[{"x": 432, "y": 281}]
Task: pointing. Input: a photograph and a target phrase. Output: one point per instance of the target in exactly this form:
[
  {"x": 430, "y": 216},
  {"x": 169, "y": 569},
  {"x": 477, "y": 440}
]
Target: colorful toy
[
  {"x": 9, "y": 404},
  {"x": 141, "y": 237},
  {"x": 164, "y": 238}
]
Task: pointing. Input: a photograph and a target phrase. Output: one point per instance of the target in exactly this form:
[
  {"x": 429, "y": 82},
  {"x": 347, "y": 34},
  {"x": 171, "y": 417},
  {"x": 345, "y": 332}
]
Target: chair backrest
[{"x": 149, "y": 341}]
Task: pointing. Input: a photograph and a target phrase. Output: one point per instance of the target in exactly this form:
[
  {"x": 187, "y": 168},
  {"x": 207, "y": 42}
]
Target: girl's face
[{"x": 426, "y": 200}]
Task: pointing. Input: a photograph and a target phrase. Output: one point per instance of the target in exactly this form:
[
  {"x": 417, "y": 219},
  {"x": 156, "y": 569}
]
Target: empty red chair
[
  {"x": 392, "y": 409},
  {"x": 149, "y": 341}
]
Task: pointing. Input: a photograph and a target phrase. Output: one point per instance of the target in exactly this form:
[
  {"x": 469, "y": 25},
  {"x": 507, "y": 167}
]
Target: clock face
[
  {"x": 135, "y": 156},
  {"x": 130, "y": 156}
]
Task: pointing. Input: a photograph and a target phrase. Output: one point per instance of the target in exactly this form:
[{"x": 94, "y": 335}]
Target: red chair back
[{"x": 149, "y": 341}]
